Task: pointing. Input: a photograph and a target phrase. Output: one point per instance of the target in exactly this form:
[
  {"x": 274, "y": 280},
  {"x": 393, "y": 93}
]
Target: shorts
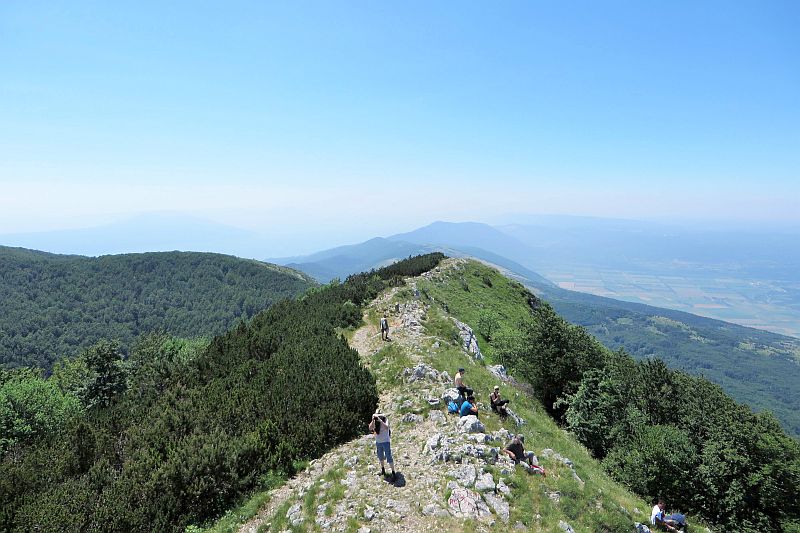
[{"x": 384, "y": 450}]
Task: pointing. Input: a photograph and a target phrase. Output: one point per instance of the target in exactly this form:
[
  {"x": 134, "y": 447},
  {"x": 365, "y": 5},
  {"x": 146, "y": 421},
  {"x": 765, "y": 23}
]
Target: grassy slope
[{"x": 600, "y": 503}]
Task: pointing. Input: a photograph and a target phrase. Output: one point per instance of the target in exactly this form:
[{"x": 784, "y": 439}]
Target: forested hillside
[
  {"x": 57, "y": 305},
  {"x": 176, "y": 433}
]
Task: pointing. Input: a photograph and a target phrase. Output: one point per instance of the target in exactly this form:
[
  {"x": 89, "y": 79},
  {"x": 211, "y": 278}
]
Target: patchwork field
[{"x": 764, "y": 304}]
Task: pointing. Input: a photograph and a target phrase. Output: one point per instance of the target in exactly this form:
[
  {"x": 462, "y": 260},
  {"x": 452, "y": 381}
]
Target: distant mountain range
[{"x": 757, "y": 367}]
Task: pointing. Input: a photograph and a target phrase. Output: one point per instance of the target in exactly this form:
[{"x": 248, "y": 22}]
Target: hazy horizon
[{"x": 296, "y": 117}]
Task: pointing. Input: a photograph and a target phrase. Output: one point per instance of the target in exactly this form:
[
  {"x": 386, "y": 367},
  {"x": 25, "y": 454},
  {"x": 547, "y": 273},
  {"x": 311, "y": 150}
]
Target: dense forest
[
  {"x": 662, "y": 432},
  {"x": 53, "y": 306},
  {"x": 756, "y": 367},
  {"x": 176, "y": 432}
]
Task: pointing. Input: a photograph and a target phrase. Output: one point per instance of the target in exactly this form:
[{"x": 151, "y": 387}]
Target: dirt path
[{"x": 343, "y": 491}]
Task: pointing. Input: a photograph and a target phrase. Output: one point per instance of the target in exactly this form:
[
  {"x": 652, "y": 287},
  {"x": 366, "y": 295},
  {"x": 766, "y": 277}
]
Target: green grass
[
  {"x": 597, "y": 505},
  {"x": 387, "y": 364}
]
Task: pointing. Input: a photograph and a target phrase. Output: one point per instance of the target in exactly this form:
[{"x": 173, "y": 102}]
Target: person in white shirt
[
  {"x": 379, "y": 426},
  {"x": 659, "y": 518}
]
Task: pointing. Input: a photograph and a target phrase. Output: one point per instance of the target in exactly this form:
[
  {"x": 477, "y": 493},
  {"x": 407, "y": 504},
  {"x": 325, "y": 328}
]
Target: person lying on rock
[
  {"x": 379, "y": 426},
  {"x": 498, "y": 404},
  {"x": 516, "y": 451},
  {"x": 469, "y": 407}
]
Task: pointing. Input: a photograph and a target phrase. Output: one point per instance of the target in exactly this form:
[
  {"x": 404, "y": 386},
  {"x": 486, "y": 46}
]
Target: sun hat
[{"x": 497, "y": 387}]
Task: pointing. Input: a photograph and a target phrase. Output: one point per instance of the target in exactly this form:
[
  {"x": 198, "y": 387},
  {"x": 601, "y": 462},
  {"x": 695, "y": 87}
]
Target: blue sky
[{"x": 371, "y": 117}]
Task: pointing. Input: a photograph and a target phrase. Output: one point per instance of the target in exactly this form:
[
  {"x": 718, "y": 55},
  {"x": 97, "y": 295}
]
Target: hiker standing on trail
[
  {"x": 463, "y": 390},
  {"x": 498, "y": 404},
  {"x": 384, "y": 328},
  {"x": 379, "y": 426}
]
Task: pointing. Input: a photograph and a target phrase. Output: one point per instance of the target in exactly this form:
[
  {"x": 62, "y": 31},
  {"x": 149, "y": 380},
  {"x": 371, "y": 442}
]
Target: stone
[
  {"x": 408, "y": 404},
  {"x": 433, "y": 442},
  {"x": 434, "y": 402},
  {"x": 399, "y": 507},
  {"x": 518, "y": 420},
  {"x": 565, "y": 527},
  {"x": 435, "y": 345},
  {"x": 499, "y": 371},
  {"x": 364, "y": 529},
  {"x": 444, "y": 377},
  {"x": 470, "y": 424},
  {"x": 369, "y": 514},
  {"x": 479, "y": 438},
  {"x": 485, "y": 483},
  {"x": 351, "y": 462},
  {"x": 451, "y": 395},
  {"x": 501, "y": 434},
  {"x": 437, "y": 417},
  {"x": 465, "y": 503},
  {"x": 502, "y": 488},
  {"x": 499, "y": 505},
  {"x": 465, "y": 475},
  {"x": 293, "y": 510},
  {"x": 520, "y": 526},
  {"x": 411, "y": 418},
  {"x": 420, "y": 372},
  {"x": 555, "y": 496},
  {"x": 452, "y": 485}
]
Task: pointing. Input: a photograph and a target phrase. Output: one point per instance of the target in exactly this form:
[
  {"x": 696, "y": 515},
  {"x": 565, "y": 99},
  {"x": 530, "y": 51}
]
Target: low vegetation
[
  {"x": 176, "y": 435},
  {"x": 662, "y": 432}
]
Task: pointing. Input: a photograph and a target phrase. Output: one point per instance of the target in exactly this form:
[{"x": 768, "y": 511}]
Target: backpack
[{"x": 452, "y": 407}]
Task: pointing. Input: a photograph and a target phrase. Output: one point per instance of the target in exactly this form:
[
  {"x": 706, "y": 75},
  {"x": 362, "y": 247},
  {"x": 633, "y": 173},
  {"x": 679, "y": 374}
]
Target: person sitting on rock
[
  {"x": 463, "y": 390},
  {"x": 498, "y": 404},
  {"x": 469, "y": 407},
  {"x": 516, "y": 451},
  {"x": 379, "y": 426}
]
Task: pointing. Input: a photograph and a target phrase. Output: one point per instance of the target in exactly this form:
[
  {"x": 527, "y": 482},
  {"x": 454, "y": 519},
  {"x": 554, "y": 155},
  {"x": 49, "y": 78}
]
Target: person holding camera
[{"x": 379, "y": 426}]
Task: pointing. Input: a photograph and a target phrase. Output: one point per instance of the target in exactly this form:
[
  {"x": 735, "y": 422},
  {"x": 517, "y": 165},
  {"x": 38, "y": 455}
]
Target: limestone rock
[
  {"x": 565, "y": 527},
  {"x": 465, "y": 475},
  {"x": 470, "y": 424},
  {"x": 499, "y": 505},
  {"x": 499, "y": 371},
  {"x": 437, "y": 417},
  {"x": 485, "y": 483},
  {"x": 465, "y": 503},
  {"x": 451, "y": 395},
  {"x": 411, "y": 418}
]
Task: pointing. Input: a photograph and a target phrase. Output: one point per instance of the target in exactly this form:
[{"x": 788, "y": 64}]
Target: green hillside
[
  {"x": 58, "y": 305},
  {"x": 662, "y": 432},
  {"x": 176, "y": 433}
]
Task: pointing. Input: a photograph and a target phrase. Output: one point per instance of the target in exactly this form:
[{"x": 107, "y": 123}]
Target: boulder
[
  {"x": 485, "y": 483},
  {"x": 451, "y": 395},
  {"x": 411, "y": 418},
  {"x": 499, "y": 371},
  {"x": 433, "y": 442},
  {"x": 499, "y": 505},
  {"x": 465, "y": 503},
  {"x": 470, "y": 424},
  {"x": 465, "y": 475}
]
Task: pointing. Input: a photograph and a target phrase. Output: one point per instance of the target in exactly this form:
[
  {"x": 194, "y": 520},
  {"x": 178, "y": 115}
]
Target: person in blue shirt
[{"x": 469, "y": 407}]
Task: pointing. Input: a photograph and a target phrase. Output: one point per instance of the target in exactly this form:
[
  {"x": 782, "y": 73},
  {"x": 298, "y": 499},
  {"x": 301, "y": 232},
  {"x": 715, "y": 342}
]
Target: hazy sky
[{"x": 368, "y": 117}]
